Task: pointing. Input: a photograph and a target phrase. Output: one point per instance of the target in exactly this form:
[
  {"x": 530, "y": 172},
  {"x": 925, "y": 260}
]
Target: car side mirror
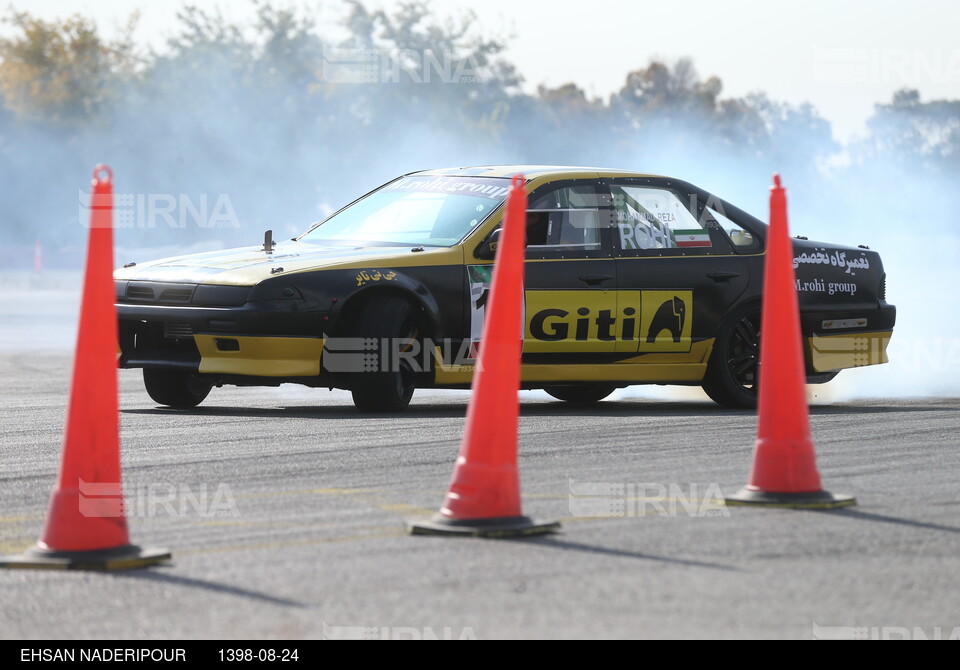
[{"x": 487, "y": 249}]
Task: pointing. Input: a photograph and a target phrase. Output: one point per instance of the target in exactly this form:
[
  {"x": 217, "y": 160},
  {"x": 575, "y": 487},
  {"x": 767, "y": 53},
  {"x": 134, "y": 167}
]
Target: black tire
[
  {"x": 585, "y": 394},
  {"x": 174, "y": 388},
  {"x": 733, "y": 373},
  {"x": 393, "y": 318}
]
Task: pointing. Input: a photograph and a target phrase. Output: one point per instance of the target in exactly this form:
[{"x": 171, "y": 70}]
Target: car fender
[{"x": 402, "y": 285}]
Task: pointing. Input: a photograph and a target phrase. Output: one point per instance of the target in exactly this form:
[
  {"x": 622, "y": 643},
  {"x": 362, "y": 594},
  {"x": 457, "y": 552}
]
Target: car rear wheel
[
  {"x": 175, "y": 388},
  {"x": 733, "y": 373},
  {"x": 388, "y": 319},
  {"x": 584, "y": 394}
]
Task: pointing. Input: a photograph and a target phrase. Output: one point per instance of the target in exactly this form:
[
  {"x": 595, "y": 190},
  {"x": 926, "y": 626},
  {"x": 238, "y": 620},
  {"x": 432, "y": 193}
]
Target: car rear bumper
[
  {"x": 849, "y": 340},
  {"x": 830, "y": 353}
]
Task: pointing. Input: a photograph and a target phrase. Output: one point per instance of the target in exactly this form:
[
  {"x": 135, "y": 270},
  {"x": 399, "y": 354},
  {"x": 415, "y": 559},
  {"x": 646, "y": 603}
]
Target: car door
[
  {"x": 571, "y": 276},
  {"x": 677, "y": 271}
]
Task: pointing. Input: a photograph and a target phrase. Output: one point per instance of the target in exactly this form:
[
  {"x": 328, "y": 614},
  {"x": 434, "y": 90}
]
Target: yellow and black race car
[{"x": 630, "y": 279}]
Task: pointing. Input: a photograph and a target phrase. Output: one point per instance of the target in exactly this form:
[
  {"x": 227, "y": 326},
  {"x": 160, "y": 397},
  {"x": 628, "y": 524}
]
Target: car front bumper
[{"x": 254, "y": 339}]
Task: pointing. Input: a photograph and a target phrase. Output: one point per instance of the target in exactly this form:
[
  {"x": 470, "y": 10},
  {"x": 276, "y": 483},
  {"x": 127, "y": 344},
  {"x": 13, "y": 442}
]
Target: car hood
[{"x": 247, "y": 266}]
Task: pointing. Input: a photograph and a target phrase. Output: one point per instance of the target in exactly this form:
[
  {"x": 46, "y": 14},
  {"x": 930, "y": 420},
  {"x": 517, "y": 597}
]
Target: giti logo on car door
[
  {"x": 659, "y": 321},
  {"x": 664, "y": 320},
  {"x": 570, "y": 321}
]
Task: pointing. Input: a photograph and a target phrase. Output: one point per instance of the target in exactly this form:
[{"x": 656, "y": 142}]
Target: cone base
[
  {"x": 129, "y": 557},
  {"x": 748, "y": 497},
  {"x": 514, "y": 526}
]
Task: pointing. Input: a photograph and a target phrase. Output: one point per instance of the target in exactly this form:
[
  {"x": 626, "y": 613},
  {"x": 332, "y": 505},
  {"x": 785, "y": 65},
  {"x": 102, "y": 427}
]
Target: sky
[{"x": 843, "y": 56}]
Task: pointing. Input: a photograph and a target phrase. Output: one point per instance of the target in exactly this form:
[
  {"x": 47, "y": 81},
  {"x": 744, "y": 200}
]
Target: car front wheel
[
  {"x": 389, "y": 382},
  {"x": 175, "y": 388}
]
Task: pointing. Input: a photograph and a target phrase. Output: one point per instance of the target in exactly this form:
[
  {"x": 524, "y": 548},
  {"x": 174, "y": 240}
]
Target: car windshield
[{"x": 419, "y": 211}]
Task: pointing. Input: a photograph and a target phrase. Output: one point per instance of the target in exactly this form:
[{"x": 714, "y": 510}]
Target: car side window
[
  {"x": 652, "y": 220},
  {"x": 742, "y": 240},
  {"x": 567, "y": 221}
]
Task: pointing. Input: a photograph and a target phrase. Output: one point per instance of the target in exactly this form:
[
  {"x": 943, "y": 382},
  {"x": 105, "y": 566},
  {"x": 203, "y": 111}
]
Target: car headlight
[{"x": 274, "y": 290}]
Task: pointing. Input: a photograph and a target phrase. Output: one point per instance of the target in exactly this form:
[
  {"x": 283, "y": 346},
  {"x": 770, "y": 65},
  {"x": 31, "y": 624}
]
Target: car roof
[{"x": 532, "y": 171}]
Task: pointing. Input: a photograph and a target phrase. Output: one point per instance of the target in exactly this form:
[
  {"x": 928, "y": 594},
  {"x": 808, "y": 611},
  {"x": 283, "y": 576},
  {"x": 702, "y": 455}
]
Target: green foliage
[{"x": 62, "y": 71}]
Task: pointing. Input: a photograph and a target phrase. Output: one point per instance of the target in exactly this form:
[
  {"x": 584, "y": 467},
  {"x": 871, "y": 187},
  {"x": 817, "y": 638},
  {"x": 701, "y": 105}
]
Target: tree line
[{"x": 289, "y": 121}]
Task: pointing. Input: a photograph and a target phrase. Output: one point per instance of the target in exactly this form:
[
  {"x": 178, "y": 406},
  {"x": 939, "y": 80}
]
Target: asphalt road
[{"x": 301, "y": 533}]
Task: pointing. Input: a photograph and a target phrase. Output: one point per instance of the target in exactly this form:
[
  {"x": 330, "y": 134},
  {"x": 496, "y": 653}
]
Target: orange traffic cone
[
  {"x": 86, "y": 526},
  {"x": 784, "y": 470},
  {"x": 484, "y": 496}
]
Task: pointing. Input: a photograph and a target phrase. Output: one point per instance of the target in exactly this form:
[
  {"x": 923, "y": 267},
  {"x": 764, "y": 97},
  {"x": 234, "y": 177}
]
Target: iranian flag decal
[{"x": 698, "y": 237}]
